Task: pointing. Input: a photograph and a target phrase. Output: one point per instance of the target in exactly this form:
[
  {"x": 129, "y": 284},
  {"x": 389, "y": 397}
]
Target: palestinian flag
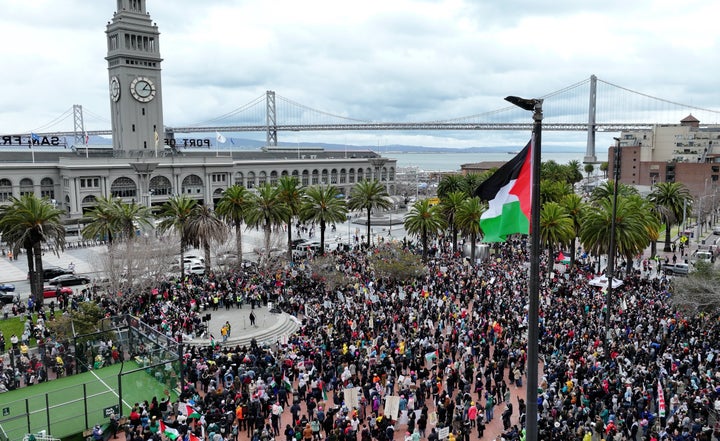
[
  {"x": 508, "y": 194},
  {"x": 169, "y": 431},
  {"x": 286, "y": 383},
  {"x": 188, "y": 411}
]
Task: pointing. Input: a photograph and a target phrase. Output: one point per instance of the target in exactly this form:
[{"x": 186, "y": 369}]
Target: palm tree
[
  {"x": 575, "y": 208},
  {"x": 128, "y": 218},
  {"x": 266, "y": 211},
  {"x": 553, "y": 191},
  {"x": 589, "y": 168},
  {"x": 450, "y": 183},
  {"x": 232, "y": 207},
  {"x": 291, "y": 195},
  {"x": 102, "y": 221},
  {"x": 322, "y": 205},
  {"x": 173, "y": 215},
  {"x": 468, "y": 220},
  {"x": 556, "y": 228},
  {"x": 635, "y": 225},
  {"x": 203, "y": 228},
  {"x": 368, "y": 195},
  {"x": 424, "y": 219},
  {"x": 449, "y": 205},
  {"x": 27, "y": 223},
  {"x": 674, "y": 198},
  {"x": 574, "y": 173},
  {"x": 607, "y": 189}
]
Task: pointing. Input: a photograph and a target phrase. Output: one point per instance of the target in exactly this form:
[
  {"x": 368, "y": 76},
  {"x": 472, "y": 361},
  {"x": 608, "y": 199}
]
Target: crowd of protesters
[{"x": 449, "y": 347}]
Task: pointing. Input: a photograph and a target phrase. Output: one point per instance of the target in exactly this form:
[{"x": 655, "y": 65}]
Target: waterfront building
[
  {"x": 145, "y": 163},
  {"x": 687, "y": 152}
]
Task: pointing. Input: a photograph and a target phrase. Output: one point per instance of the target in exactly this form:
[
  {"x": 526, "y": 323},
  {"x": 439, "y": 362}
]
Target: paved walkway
[{"x": 270, "y": 327}]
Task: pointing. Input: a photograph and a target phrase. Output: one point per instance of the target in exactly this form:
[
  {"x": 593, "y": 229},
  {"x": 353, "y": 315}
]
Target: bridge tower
[
  {"x": 270, "y": 119},
  {"x": 134, "y": 78},
  {"x": 590, "y": 150},
  {"x": 78, "y": 125}
]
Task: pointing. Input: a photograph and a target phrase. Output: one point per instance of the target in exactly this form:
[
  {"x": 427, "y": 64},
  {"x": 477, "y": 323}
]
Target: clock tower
[{"x": 134, "y": 81}]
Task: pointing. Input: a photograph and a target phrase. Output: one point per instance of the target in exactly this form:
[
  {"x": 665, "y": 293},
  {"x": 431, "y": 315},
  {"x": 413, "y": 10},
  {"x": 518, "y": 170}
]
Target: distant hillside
[{"x": 253, "y": 144}]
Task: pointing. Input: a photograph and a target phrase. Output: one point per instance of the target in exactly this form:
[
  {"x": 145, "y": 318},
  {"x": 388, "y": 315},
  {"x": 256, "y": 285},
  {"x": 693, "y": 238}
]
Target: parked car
[
  {"x": 69, "y": 280},
  {"x": 54, "y": 271},
  {"x": 50, "y": 292},
  {"x": 196, "y": 269},
  {"x": 7, "y": 298},
  {"x": 681, "y": 269},
  {"x": 7, "y": 287}
]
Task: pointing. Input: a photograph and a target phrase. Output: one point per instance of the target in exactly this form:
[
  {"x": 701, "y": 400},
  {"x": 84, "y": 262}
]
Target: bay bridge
[{"x": 592, "y": 105}]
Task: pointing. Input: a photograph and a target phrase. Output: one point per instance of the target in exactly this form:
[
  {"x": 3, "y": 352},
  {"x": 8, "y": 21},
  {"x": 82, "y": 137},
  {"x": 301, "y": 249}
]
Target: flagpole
[
  {"x": 531, "y": 426},
  {"x": 32, "y": 150}
]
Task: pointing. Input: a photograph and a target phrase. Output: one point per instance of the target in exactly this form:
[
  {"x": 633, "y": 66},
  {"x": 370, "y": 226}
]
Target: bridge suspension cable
[
  {"x": 663, "y": 100},
  {"x": 225, "y": 116},
  {"x": 54, "y": 122}
]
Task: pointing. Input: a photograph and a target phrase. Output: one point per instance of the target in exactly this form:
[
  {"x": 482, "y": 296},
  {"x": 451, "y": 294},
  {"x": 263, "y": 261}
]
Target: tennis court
[{"x": 71, "y": 404}]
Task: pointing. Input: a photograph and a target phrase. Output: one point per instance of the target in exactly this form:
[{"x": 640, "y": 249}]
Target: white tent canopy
[{"x": 602, "y": 282}]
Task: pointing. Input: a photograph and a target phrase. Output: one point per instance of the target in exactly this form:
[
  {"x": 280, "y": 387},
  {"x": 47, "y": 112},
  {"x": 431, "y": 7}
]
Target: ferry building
[{"x": 140, "y": 167}]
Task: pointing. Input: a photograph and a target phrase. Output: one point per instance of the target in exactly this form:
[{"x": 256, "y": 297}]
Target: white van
[{"x": 701, "y": 255}]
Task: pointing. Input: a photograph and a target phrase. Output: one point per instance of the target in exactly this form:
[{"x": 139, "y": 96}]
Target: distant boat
[{"x": 513, "y": 153}]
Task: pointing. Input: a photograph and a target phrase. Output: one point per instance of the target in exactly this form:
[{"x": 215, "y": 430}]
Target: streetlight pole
[
  {"x": 534, "y": 105},
  {"x": 611, "y": 248}
]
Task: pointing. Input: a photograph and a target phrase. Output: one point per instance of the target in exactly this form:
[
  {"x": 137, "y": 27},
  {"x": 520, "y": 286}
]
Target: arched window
[
  {"x": 262, "y": 178},
  {"x": 26, "y": 186},
  {"x": 284, "y": 173},
  {"x": 273, "y": 177},
  {"x": 296, "y": 175},
  {"x": 343, "y": 176},
  {"x": 123, "y": 188},
  {"x": 192, "y": 184},
  {"x": 47, "y": 188},
  {"x": 351, "y": 176},
  {"x": 160, "y": 186},
  {"x": 239, "y": 179},
  {"x": 315, "y": 177},
  {"x": 250, "y": 180},
  {"x": 5, "y": 190},
  {"x": 392, "y": 174},
  {"x": 334, "y": 176},
  {"x": 305, "y": 178},
  {"x": 384, "y": 174},
  {"x": 360, "y": 175}
]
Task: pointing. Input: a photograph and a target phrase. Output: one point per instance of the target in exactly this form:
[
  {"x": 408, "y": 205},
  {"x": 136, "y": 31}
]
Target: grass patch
[{"x": 15, "y": 325}]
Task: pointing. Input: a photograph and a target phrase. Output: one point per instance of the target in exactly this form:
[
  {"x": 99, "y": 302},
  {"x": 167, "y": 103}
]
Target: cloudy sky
[{"x": 390, "y": 60}]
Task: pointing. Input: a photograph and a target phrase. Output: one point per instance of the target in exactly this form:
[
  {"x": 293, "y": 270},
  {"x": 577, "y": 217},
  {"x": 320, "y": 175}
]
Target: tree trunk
[
  {"x": 37, "y": 287},
  {"x": 424, "y": 244},
  {"x": 238, "y": 241},
  {"x": 667, "y": 247},
  {"x": 289, "y": 242},
  {"x": 368, "y": 227},
  {"x": 572, "y": 253},
  {"x": 206, "y": 248},
  {"x": 267, "y": 228},
  {"x": 322, "y": 237},
  {"x": 472, "y": 247},
  {"x": 454, "y": 239},
  {"x": 182, "y": 256}
]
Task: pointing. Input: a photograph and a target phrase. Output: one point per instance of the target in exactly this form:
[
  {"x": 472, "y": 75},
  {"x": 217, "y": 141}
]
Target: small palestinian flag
[
  {"x": 169, "y": 431},
  {"x": 508, "y": 194}
]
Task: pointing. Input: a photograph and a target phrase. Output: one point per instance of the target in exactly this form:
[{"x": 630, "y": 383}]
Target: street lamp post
[
  {"x": 611, "y": 248},
  {"x": 534, "y": 105}
]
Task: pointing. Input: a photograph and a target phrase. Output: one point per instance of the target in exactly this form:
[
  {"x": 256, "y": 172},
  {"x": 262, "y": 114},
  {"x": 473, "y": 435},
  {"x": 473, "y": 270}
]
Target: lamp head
[{"x": 524, "y": 103}]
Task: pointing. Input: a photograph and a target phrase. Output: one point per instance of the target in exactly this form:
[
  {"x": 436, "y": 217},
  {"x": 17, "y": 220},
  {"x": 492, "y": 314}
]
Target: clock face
[
  {"x": 142, "y": 89},
  {"x": 114, "y": 88}
]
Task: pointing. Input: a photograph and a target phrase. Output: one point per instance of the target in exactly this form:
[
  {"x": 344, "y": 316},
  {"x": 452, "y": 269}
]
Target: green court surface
[{"x": 69, "y": 405}]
